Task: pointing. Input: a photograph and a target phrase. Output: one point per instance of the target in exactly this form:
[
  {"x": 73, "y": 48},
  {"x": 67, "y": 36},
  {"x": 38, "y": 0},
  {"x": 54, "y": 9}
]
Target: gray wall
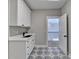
[
  {"x": 67, "y": 9},
  {"x": 39, "y": 24}
]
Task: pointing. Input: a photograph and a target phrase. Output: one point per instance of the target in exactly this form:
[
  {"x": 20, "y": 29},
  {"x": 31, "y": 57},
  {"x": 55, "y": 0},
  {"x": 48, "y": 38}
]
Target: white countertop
[{"x": 20, "y": 37}]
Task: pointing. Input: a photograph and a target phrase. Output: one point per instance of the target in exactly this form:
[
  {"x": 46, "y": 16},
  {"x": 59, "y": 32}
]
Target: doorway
[
  {"x": 53, "y": 31},
  {"x": 57, "y": 32}
]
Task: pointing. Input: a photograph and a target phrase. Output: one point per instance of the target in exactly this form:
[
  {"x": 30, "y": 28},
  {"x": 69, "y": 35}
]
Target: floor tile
[
  {"x": 40, "y": 48},
  {"x": 55, "y": 53},
  {"x": 39, "y": 52},
  {"x": 46, "y": 48},
  {"x": 38, "y": 57},
  {"x": 47, "y": 53},
  {"x": 31, "y": 57},
  {"x": 33, "y": 52},
  {"x": 56, "y": 57},
  {"x": 65, "y": 57},
  {"x": 35, "y": 48},
  {"x": 47, "y": 57}
]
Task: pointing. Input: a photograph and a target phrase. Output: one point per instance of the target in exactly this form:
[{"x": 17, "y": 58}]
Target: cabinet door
[
  {"x": 21, "y": 13},
  {"x": 27, "y": 20},
  {"x": 27, "y": 16},
  {"x": 17, "y": 50}
]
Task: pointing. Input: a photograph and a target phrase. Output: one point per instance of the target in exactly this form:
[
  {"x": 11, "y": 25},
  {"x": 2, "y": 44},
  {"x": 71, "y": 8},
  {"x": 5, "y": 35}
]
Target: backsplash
[{"x": 15, "y": 30}]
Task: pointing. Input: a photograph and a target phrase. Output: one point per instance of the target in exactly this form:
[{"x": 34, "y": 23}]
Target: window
[{"x": 53, "y": 29}]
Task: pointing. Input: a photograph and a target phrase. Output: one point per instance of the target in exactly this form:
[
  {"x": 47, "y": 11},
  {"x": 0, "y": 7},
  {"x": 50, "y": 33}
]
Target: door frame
[{"x": 47, "y": 26}]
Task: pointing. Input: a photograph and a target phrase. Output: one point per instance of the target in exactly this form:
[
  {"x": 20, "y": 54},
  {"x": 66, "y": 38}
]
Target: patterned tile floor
[{"x": 47, "y": 53}]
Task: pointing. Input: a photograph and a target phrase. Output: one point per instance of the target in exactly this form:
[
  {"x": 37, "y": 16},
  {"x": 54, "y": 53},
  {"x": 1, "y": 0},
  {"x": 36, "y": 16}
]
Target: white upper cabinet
[{"x": 19, "y": 13}]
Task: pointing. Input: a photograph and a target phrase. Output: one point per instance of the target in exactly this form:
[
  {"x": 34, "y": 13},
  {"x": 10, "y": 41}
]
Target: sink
[
  {"x": 21, "y": 36},
  {"x": 27, "y": 36}
]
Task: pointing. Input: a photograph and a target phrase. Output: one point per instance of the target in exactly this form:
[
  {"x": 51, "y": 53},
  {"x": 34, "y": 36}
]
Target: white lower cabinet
[
  {"x": 20, "y": 49},
  {"x": 17, "y": 50}
]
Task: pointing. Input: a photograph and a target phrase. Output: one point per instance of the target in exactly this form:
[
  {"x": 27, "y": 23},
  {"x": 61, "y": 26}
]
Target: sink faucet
[{"x": 24, "y": 33}]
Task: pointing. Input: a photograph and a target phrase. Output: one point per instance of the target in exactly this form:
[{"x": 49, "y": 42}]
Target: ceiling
[{"x": 45, "y": 4}]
